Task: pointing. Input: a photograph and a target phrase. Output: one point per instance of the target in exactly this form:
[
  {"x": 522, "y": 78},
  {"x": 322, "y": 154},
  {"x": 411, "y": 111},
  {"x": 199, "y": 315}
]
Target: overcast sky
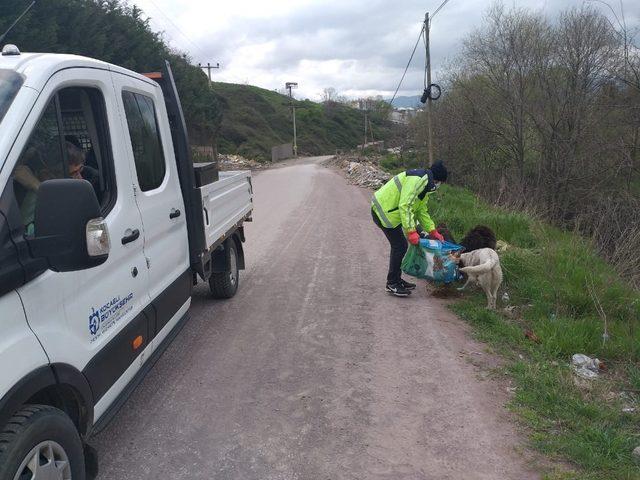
[{"x": 358, "y": 47}]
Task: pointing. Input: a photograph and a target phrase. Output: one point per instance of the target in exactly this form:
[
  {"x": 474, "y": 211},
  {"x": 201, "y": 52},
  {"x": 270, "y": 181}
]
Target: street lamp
[{"x": 290, "y": 86}]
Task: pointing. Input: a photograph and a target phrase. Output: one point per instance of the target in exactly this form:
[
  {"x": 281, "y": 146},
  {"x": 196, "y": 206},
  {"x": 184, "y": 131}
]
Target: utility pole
[
  {"x": 429, "y": 139},
  {"x": 364, "y": 106},
  {"x": 209, "y": 67},
  {"x": 290, "y": 86}
]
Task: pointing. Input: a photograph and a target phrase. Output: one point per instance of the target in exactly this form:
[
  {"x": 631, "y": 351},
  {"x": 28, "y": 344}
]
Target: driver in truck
[
  {"x": 78, "y": 167},
  {"x": 33, "y": 171}
]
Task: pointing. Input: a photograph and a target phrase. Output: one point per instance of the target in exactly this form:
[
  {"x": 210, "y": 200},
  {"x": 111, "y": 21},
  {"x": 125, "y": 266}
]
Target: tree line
[
  {"x": 544, "y": 115},
  {"x": 118, "y": 33}
]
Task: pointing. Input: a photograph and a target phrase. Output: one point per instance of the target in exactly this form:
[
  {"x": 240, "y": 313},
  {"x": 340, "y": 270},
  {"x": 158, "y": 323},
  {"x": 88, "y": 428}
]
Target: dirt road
[{"x": 312, "y": 371}]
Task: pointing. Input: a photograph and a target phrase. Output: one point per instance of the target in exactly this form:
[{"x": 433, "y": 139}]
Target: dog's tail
[{"x": 479, "y": 269}]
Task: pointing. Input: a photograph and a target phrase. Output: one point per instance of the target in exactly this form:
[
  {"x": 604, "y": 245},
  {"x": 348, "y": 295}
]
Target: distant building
[{"x": 403, "y": 115}]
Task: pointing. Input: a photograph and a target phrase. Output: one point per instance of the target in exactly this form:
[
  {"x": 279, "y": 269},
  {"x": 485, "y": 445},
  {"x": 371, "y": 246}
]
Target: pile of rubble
[
  {"x": 367, "y": 175},
  {"x": 236, "y": 162},
  {"x": 361, "y": 172}
]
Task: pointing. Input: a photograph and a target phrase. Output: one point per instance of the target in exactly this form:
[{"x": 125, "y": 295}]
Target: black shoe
[
  {"x": 398, "y": 290},
  {"x": 408, "y": 285}
]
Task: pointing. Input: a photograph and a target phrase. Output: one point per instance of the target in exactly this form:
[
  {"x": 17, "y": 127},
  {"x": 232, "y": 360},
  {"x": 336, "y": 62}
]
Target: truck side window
[
  {"x": 41, "y": 160},
  {"x": 145, "y": 140},
  {"x": 69, "y": 141}
]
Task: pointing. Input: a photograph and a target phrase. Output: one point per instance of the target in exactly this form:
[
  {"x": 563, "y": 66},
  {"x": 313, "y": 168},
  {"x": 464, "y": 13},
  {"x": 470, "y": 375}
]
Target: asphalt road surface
[{"x": 312, "y": 371}]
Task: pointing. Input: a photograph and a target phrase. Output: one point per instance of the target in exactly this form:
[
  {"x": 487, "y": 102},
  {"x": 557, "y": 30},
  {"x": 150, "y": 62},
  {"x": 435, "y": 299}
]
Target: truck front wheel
[
  {"x": 225, "y": 284},
  {"x": 41, "y": 442}
]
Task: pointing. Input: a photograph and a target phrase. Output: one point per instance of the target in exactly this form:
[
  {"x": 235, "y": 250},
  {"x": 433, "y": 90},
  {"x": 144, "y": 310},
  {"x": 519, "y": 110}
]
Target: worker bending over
[{"x": 399, "y": 208}]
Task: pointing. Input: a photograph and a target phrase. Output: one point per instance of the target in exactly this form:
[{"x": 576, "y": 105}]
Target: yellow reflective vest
[{"x": 403, "y": 201}]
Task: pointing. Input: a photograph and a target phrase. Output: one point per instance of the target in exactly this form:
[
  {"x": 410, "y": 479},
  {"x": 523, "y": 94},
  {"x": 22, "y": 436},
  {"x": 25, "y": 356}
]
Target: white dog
[{"x": 482, "y": 267}]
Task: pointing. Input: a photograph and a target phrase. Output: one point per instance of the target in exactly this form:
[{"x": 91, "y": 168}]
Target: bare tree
[
  {"x": 545, "y": 115},
  {"x": 503, "y": 56},
  {"x": 582, "y": 55},
  {"x": 627, "y": 72},
  {"x": 329, "y": 95}
]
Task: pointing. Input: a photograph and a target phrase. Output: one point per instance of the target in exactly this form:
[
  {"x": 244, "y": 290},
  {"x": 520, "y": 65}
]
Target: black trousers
[{"x": 398, "y": 244}]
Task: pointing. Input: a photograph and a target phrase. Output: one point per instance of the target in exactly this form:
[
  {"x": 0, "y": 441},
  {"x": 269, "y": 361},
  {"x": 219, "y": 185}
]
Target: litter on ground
[{"x": 585, "y": 366}]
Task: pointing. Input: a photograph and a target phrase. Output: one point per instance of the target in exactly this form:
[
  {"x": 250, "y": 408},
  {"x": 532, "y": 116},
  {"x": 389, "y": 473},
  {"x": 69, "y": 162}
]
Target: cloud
[{"x": 358, "y": 47}]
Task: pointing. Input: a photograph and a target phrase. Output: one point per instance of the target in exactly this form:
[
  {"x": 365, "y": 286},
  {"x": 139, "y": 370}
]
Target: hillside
[{"x": 256, "y": 119}]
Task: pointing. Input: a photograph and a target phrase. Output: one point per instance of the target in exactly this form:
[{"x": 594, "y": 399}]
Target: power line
[
  {"x": 178, "y": 28},
  {"x": 407, "y": 67},
  {"x": 622, "y": 24},
  {"x": 2, "y": 37}
]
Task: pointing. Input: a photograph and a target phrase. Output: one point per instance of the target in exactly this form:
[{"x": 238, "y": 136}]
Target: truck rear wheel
[
  {"x": 225, "y": 284},
  {"x": 41, "y": 442}
]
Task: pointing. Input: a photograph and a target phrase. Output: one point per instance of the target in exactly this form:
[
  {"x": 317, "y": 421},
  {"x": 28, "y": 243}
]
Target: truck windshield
[{"x": 10, "y": 83}]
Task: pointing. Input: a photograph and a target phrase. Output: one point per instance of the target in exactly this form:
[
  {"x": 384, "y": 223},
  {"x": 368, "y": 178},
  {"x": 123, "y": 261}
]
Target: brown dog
[{"x": 478, "y": 237}]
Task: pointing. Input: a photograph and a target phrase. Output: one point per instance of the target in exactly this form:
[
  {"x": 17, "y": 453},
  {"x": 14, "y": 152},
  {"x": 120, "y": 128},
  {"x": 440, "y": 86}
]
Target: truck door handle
[
  {"x": 132, "y": 237},
  {"x": 175, "y": 213}
]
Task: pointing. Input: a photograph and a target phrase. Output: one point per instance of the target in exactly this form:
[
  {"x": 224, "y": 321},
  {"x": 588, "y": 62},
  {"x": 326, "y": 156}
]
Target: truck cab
[{"x": 104, "y": 229}]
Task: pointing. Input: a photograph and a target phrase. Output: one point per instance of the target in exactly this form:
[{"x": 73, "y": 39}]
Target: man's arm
[
  {"x": 25, "y": 177},
  {"x": 424, "y": 219}
]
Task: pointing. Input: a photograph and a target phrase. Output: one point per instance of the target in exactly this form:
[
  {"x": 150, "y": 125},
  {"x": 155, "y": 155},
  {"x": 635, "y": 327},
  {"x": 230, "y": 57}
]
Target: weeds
[{"x": 564, "y": 291}]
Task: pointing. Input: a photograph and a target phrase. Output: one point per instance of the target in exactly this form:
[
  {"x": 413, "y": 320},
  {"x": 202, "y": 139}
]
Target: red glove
[
  {"x": 414, "y": 238},
  {"x": 435, "y": 235}
]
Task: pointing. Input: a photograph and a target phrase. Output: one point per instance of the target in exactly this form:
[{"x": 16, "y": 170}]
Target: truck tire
[
  {"x": 44, "y": 437},
  {"x": 225, "y": 284}
]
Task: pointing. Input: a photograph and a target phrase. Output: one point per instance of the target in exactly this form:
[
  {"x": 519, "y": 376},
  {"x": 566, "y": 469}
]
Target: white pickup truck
[{"x": 105, "y": 225}]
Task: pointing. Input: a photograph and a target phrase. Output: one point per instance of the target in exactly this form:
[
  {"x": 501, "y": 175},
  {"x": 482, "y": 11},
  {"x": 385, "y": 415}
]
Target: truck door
[
  {"x": 94, "y": 320},
  {"x": 159, "y": 199}
]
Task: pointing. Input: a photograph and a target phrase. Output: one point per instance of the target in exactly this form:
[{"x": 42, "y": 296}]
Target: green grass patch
[
  {"x": 396, "y": 163},
  {"x": 555, "y": 280}
]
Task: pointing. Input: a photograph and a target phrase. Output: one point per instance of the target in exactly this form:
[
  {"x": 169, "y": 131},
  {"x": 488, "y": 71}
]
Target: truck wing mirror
[{"x": 69, "y": 230}]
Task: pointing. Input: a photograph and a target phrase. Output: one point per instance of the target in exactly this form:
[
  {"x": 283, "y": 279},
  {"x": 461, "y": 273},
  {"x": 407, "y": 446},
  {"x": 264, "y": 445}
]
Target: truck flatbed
[{"x": 226, "y": 203}]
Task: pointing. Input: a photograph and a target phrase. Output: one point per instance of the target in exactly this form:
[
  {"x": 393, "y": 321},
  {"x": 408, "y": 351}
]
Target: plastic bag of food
[{"x": 430, "y": 260}]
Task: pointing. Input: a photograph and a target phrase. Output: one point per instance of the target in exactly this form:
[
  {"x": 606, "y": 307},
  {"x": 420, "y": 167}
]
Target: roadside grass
[
  {"x": 395, "y": 164},
  {"x": 555, "y": 282}
]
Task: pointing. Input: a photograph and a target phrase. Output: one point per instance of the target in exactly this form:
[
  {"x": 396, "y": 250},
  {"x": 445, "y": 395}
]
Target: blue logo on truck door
[
  {"x": 94, "y": 321},
  {"x": 102, "y": 319}
]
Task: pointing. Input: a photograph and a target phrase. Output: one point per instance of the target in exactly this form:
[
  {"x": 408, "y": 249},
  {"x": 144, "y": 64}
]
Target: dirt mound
[
  {"x": 362, "y": 172},
  {"x": 236, "y": 162}
]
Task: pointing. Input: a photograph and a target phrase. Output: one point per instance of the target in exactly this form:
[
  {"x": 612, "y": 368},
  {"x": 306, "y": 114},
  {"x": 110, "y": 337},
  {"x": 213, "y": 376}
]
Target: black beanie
[{"x": 439, "y": 171}]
